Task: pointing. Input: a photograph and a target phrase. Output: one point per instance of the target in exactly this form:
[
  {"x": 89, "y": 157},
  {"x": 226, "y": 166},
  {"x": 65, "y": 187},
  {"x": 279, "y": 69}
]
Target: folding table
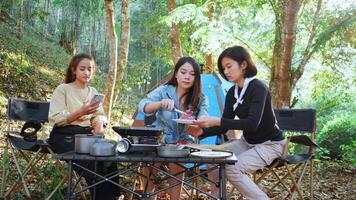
[{"x": 137, "y": 160}]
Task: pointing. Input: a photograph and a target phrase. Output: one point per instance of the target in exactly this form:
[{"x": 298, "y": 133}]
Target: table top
[{"x": 145, "y": 157}]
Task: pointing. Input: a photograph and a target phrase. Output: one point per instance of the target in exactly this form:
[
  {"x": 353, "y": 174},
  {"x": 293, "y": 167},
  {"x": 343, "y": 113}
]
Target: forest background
[{"x": 304, "y": 50}]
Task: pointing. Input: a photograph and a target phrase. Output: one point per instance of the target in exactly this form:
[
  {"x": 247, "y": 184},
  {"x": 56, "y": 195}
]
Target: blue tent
[{"x": 215, "y": 88}]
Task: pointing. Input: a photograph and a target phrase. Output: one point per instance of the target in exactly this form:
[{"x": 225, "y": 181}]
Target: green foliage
[
  {"x": 328, "y": 96},
  {"x": 29, "y": 66},
  {"x": 349, "y": 152},
  {"x": 337, "y": 132},
  {"x": 5, "y": 159},
  {"x": 56, "y": 172}
]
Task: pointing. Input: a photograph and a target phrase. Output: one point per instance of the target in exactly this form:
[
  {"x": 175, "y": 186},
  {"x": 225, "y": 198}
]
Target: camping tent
[{"x": 215, "y": 88}]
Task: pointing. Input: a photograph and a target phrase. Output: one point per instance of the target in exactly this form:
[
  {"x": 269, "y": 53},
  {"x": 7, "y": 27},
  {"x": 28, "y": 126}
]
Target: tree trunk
[
  {"x": 209, "y": 61},
  {"x": 75, "y": 28},
  {"x": 286, "y": 22},
  {"x": 174, "y": 35},
  {"x": 21, "y": 19},
  {"x": 91, "y": 33},
  {"x": 124, "y": 48},
  {"x": 110, "y": 82},
  {"x": 70, "y": 32}
]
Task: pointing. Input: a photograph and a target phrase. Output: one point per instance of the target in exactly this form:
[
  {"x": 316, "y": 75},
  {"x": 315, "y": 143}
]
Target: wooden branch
[
  {"x": 276, "y": 13},
  {"x": 300, "y": 69},
  {"x": 326, "y": 35}
]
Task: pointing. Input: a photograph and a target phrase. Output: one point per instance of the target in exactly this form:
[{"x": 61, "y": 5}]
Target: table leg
[
  {"x": 95, "y": 178},
  {"x": 222, "y": 189}
]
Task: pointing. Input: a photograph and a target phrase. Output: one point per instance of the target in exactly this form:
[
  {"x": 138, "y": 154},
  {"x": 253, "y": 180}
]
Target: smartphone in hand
[{"x": 97, "y": 98}]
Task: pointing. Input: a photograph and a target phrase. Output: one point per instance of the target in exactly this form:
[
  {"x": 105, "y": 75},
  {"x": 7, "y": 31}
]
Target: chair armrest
[{"x": 302, "y": 140}]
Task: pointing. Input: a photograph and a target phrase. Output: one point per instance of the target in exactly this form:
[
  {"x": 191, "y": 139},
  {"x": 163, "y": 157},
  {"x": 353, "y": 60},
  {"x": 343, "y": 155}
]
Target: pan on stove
[{"x": 172, "y": 151}]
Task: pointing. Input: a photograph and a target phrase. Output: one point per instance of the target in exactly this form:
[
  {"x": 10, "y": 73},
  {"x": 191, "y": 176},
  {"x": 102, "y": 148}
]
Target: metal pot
[
  {"x": 83, "y": 142},
  {"x": 172, "y": 151},
  {"x": 103, "y": 147}
]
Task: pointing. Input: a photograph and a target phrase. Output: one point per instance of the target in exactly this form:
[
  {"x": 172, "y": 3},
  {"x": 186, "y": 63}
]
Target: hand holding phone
[{"x": 98, "y": 98}]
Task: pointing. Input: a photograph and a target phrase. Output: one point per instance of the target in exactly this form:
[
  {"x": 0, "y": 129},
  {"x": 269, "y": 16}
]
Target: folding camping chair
[
  {"x": 296, "y": 121},
  {"x": 29, "y": 154},
  {"x": 300, "y": 121}
]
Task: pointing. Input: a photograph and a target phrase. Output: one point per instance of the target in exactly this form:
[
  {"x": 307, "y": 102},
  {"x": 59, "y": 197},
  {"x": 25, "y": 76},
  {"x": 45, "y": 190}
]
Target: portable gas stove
[{"x": 138, "y": 139}]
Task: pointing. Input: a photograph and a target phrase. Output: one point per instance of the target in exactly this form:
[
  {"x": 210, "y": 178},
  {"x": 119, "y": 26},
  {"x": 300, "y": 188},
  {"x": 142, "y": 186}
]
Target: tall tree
[
  {"x": 174, "y": 34},
  {"x": 124, "y": 45},
  {"x": 21, "y": 18},
  {"x": 283, "y": 76},
  {"x": 286, "y": 12},
  {"x": 112, "y": 38},
  {"x": 70, "y": 31}
]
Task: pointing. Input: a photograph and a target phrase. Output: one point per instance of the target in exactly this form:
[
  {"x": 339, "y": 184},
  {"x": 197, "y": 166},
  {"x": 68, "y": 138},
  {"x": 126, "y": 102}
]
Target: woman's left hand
[
  {"x": 99, "y": 124},
  {"x": 207, "y": 122}
]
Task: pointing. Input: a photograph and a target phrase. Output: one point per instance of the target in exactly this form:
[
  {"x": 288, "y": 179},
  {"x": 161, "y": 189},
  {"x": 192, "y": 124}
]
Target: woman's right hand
[
  {"x": 167, "y": 104},
  {"x": 195, "y": 131}
]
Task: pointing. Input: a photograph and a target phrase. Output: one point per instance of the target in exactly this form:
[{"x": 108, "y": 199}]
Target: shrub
[
  {"x": 349, "y": 152},
  {"x": 340, "y": 130}
]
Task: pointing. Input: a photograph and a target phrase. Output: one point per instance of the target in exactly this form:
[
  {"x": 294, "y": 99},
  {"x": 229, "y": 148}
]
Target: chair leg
[
  {"x": 295, "y": 184},
  {"x": 311, "y": 179},
  {"x": 35, "y": 159},
  {"x": 263, "y": 175},
  {"x": 20, "y": 173},
  {"x": 195, "y": 183},
  {"x": 279, "y": 181},
  {"x": 5, "y": 168},
  {"x": 231, "y": 192},
  {"x": 282, "y": 179},
  {"x": 134, "y": 188},
  {"x": 299, "y": 180}
]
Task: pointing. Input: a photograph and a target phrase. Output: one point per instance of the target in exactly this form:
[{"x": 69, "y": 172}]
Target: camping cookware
[
  {"x": 173, "y": 151},
  {"x": 125, "y": 146},
  {"x": 83, "y": 142},
  {"x": 103, "y": 147}
]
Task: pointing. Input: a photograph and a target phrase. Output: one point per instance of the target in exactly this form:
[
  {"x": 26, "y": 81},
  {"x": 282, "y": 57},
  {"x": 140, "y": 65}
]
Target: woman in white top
[{"x": 71, "y": 112}]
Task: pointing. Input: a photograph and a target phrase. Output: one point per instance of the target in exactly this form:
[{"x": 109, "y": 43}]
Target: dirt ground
[{"x": 332, "y": 180}]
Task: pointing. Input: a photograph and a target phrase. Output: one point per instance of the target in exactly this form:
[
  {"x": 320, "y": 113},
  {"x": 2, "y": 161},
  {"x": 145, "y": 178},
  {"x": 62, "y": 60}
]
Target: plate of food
[
  {"x": 184, "y": 121},
  {"x": 185, "y": 118},
  {"x": 211, "y": 154}
]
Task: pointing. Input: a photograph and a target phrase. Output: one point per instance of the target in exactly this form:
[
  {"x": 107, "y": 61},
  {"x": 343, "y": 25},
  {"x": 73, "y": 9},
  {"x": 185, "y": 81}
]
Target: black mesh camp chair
[
  {"x": 296, "y": 121},
  {"x": 24, "y": 139},
  {"x": 25, "y": 151},
  {"x": 28, "y": 154},
  {"x": 293, "y": 166}
]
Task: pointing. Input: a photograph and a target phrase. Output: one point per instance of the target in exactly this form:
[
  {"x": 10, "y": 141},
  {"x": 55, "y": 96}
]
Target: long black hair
[{"x": 194, "y": 93}]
